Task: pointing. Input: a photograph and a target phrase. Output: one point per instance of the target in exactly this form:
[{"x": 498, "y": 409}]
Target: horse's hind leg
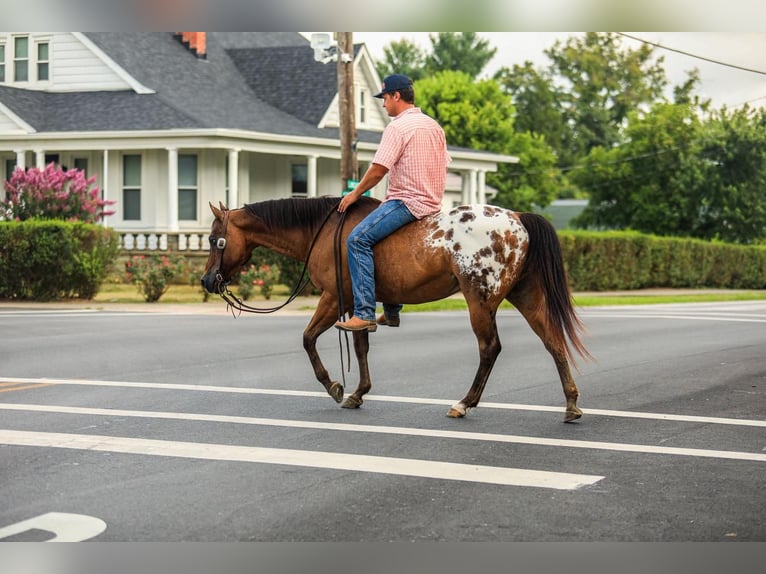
[
  {"x": 325, "y": 315},
  {"x": 531, "y": 305},
  {"x": 482, "y": 315}
]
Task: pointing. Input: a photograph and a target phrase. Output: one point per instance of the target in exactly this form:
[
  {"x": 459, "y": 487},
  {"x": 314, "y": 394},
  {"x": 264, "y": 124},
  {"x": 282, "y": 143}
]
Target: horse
[{"x": 488, "y": 253}]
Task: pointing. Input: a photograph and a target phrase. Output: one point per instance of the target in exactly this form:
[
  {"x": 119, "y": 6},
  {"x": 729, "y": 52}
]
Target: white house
[{"x": 171, "y": 121}]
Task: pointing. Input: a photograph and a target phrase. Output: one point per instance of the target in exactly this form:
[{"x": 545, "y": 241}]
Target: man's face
[{"x": 391, "y": 103}]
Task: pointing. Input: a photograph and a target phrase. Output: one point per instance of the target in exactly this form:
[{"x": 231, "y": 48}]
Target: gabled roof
[{"x": 189, "y": 92}]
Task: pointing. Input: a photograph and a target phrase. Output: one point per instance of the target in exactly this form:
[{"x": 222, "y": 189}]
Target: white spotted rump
[{"x": 486, "y": 243}]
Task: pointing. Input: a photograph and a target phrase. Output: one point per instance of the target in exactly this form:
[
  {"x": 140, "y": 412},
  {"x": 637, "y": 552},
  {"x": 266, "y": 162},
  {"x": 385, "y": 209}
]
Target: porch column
[
  {"x": 482, "y": 184},
  {"x": 172, "y": 222},
  {"x": 21, "y": 159},
  {"x": 40, "y": 159},
  {"x": 311, "y": 176},
  {"x": 104, "y": 183},
  {"x": 233, "y": 199},
  {"x": 465, "y": 191},
  {"x": 472, "y": 187}
]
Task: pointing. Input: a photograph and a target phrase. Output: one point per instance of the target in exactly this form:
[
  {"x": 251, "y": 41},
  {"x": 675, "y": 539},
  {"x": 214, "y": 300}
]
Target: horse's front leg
[
  {"x": 325, "y": 315},
  {"x": 361, "y": 348}
]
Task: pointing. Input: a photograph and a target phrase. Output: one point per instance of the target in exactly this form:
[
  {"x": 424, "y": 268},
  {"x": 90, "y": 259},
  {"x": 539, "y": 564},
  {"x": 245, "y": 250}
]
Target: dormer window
[
  {"x": 21, "y": 59},
  {"x": 25, "y": 59},
  {"x": 43, "y": 61}
]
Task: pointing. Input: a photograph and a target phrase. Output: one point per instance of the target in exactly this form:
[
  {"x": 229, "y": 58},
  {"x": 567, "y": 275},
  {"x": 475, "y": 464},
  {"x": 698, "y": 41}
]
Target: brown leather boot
[
  {"x": 383, "y": 319},
  {"x": 357, "y": 324}
]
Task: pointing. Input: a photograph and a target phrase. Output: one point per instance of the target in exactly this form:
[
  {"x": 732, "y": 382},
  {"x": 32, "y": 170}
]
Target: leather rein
[{"x": 236, "y": 304}]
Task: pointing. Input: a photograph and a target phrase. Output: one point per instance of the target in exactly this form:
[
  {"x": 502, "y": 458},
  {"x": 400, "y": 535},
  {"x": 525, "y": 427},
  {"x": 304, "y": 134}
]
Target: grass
[{"x": 122, "y": 293}]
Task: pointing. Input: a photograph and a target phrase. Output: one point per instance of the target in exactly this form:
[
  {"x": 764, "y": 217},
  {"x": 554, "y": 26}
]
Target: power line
[{"x": 655, "y": 44}]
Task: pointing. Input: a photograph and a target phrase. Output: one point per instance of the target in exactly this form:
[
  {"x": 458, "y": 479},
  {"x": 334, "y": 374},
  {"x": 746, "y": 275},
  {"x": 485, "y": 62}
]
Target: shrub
[
  {"x": 153, "y": 274},
  {"x": 53, "y": 193},
  {"x": 264, "y": 278},
  {"x": 47, "y": 260}
]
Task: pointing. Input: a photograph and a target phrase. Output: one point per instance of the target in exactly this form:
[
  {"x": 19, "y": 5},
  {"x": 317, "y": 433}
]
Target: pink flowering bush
[
  {"x": 152, "y": 274},
  {"x": 53, "y": 193},
  {"x": 264, "y": 278}
]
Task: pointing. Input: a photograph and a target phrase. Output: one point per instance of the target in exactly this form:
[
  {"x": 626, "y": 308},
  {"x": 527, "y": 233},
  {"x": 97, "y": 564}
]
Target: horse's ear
[
  {"x": 222, "y": 206},
  {"x": 217, "y": 212}
]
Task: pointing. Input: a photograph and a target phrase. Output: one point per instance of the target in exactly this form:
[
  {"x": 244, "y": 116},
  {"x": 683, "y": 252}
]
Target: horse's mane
[{"x": 297, "y": 211}]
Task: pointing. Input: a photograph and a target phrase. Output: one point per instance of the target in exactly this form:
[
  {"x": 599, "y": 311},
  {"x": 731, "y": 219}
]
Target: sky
[{"x": 723, "y": 85}]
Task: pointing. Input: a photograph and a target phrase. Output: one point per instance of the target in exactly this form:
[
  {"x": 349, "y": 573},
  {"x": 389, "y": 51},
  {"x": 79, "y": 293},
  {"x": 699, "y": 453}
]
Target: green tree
[
  {"x": 681, "y": 175},
  {"x": 402, "y": 57},
  {"x": 538, "y": 103},
  {"x": 458, "y": 51},
  {"x": 477, "y": 114},
  {"x": 729, "y": 191},
  {"x": 535, "y": 180},
  {"x": 602, "y": 84},
  {"x": 474, "y": 114},
  {"x": 642, "y": 185}
]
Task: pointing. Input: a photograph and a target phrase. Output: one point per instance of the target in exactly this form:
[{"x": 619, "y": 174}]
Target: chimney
[{"x": 196, "y": 42}]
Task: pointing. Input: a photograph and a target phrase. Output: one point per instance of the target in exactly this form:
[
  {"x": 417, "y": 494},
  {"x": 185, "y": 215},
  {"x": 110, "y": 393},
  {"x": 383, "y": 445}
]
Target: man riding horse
[{"x": 413, "y": 151}]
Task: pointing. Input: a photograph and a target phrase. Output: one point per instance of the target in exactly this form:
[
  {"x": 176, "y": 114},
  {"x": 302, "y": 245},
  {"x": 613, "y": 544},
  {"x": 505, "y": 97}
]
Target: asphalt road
[{"x": 120, "y": 426}]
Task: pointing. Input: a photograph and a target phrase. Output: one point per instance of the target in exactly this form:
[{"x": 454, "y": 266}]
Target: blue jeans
[{"x": 382, "y": 222}]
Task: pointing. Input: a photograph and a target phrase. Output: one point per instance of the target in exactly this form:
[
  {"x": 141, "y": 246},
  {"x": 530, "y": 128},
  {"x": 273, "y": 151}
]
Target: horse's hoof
[
  {"x": 352, "y": 402},
  {"x": 336, "y": 391},
  {"x": 453, "y": 413},
  {"x": 572, "y": 416}
]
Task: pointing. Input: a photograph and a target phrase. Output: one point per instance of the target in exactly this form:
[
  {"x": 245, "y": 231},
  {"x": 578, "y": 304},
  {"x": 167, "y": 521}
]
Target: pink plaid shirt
[{"x": 414, "y": 150}]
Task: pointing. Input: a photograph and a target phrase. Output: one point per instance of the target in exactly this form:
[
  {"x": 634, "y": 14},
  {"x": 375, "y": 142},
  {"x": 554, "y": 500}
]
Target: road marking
[
  {"x": 7, "y": 387},
  {"x": 305, "y": 458},
  {"x": 670, "y": 315},
  {"x": 392, "y": 399},
  {"x": 406, "y": 431},
  {"x": 65, "y": 527}
]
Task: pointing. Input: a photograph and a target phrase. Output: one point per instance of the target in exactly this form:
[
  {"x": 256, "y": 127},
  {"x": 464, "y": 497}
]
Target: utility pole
[{"x": 349, "y": 168}]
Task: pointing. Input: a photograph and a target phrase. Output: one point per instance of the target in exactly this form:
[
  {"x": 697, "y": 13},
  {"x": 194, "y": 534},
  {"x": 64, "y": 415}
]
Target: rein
[{"x": 235, "y": 303}]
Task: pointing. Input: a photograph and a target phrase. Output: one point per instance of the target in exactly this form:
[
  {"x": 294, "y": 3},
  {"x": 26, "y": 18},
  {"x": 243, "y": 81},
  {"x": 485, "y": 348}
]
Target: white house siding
[{"x": 75, "y": 68}]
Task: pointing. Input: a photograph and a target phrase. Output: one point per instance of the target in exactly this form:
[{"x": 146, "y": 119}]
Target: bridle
[{"x": 236, "y": 304}]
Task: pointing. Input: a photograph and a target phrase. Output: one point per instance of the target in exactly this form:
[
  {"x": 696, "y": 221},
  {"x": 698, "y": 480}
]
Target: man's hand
[
  {"x": 346, "y": 201},
  {"x": 372, "y": 176}
]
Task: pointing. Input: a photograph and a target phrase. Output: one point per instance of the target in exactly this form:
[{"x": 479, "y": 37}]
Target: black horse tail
[{"x": 545, "y": 261}]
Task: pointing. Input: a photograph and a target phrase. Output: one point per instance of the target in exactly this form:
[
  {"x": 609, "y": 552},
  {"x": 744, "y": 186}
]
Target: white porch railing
[{"x": 154, "y": 241}]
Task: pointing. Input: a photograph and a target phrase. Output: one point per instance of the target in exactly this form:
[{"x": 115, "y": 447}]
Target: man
[{"x": 413, "y": 151}]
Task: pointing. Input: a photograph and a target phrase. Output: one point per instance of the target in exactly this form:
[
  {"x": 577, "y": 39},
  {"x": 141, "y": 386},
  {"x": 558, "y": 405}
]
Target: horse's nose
[{"x": 208, "y": 282}]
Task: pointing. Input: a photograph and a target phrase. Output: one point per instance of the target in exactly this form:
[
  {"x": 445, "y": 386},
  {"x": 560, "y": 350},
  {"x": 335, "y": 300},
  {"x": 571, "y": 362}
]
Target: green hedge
[
  {"x": 48, "y": 260},
  {"x": 601, "y": 261}
]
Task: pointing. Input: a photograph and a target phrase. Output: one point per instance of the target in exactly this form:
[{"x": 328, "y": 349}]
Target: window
[
  {"x": 131, "y": 188},
  {"x": 81, "y": 163},
  {"x": 187, "y": 187},
  {"x": 21, "y": 59},
  {"x": 43, "y": 61},
  {"x": 2, "y": 63},
  {"x": 362, "y": 106},
  {"x": 299, "y": 179}
]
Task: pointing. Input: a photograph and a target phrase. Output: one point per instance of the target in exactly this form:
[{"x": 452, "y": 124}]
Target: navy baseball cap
[{"x": 393, "y": 83}]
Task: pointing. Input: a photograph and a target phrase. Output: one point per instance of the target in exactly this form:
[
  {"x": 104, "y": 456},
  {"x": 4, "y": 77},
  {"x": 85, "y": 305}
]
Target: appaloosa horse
[{"x": 488, "y": 253}]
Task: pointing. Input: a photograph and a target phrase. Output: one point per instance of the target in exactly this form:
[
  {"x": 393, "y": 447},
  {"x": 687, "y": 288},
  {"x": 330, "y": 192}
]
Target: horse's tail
[{"x": 544, "y": 259}]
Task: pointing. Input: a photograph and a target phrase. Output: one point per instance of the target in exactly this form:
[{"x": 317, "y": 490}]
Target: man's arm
[{"x": 372, "y": 176}]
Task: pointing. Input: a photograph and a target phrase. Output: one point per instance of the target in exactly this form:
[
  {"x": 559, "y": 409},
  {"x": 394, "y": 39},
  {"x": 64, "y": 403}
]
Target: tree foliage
[
  {"x": 596, "y": 122},
  {"x": 679, "y": 175},
  {"x": 458, "y": 51},
  {"x": 402, "y": 57}
]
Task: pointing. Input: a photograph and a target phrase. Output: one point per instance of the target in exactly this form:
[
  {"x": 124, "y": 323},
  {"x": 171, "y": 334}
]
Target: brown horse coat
[{"x": 488, "y": 253}]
